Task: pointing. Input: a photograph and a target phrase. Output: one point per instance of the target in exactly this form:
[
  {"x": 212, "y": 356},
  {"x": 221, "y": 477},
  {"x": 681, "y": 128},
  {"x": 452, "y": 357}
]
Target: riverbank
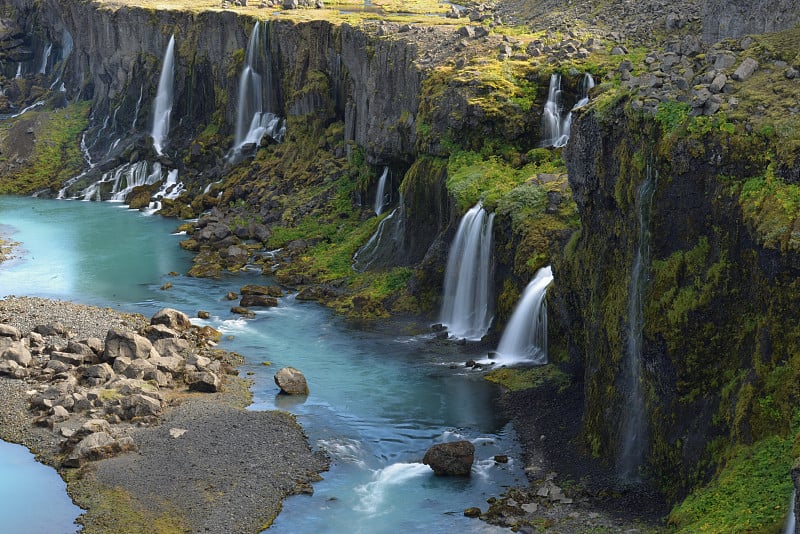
[{"x": 204, "y": 464}]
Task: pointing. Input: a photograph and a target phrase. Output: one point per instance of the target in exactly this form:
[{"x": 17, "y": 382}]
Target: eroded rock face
[
  {"x": 724, "y": 19},
  {"x": 451, "y": 459},
  {"x": 291, "y": 381}
]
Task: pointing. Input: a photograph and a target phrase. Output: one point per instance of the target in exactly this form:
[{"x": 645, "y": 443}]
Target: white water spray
[
  {"x": 525, "y": 337},
  {"x": 373, "y": 494},
  {"x": 556, "y": 124},
  {"x": 467, "y": 308},
  {"x": 385, "y": 243},
  {"x": 45, "y": 59},
  {"x": 163, "y": 102}
]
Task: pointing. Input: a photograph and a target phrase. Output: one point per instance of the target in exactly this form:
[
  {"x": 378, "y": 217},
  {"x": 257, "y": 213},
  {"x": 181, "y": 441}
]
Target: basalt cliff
[{"x": 670, "y": 217}]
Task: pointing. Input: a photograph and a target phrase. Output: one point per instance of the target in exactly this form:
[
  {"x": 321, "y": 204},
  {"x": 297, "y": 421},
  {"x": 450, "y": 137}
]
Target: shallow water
[{"x": 377, "y": 401}]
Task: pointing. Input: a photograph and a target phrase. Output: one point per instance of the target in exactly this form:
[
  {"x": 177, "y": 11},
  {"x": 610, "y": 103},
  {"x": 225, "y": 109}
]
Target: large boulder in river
[
  {"x": 253, "y": 289},
  {"x": 127, "y": 345},
  {"x": 174, "y": 319},
  {"x": 448, "y": 459},
  {"x": 291, "y": 381},
  {"x": 250, "y": 301}
]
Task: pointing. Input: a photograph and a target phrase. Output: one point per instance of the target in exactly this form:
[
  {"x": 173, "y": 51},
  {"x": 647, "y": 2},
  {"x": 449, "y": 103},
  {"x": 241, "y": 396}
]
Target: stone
[
  {"x": 718, "y": 83},
  {"x": 58, "y": 414},
  {"x": 52, "y": 329},
  {"x": 58, "y": 366},
  {"x": 252, "y": 289},
  {"x": 138, "y": 368},
  {"x": 472, "y": 512},
  {"x": 177, "y": 432},
  {"x": 745, "y": 69},
  {"x": 291, "y": 381},
  {"x": 171, "y": 318},
  {"x": 6, "y": 330},
  {"x": 99, "y": 374},
  {"x": 169, "y": 364},
  {"x": 451, "y": 459},
  {"x": 159, "y": 331},
  {"x": 96, "y": 446},
  {"x": 18, "y": 353},
  {"x": 171, "y": 348},
  {"x": 67, "y": 357},
  {"x": 140, "y": 406},
  {"x": 261, "y": 301},
  {"x": 466, "y": 31},
  {"x": 202, "y": 314},
  {"x": 122, "y": 343},
  {"x": 241, "y": 310},
  {"x": 205, "y": 382}
]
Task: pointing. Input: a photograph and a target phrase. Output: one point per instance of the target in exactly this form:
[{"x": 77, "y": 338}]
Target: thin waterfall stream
[{"x": 634, "y": 422}]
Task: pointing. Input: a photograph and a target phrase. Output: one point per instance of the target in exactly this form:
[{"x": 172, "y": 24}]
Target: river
[{"x": 377, "y": 400}]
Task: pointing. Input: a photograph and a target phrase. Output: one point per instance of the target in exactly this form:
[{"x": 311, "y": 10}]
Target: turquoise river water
[{"x": 377, "y": 400}]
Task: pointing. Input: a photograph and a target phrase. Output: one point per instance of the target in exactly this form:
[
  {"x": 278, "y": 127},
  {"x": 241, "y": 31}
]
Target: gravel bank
[{"x": 208, "y": 466}]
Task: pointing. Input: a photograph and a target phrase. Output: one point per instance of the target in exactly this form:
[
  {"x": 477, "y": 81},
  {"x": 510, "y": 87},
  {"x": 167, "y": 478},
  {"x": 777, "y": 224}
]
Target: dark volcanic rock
[{"x": 451, "y": 459}]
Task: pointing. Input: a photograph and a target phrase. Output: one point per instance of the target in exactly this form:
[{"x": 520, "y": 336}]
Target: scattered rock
[
  {"x": 745, "y": 70},
  {"x": 291, "y": 381},
  {"x": 171, "y": 318},
  {"x": 450, "y": 459}
]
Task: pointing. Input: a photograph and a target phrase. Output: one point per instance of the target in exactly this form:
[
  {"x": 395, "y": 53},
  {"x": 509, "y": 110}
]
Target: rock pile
[{"x": 84, "y": 388}]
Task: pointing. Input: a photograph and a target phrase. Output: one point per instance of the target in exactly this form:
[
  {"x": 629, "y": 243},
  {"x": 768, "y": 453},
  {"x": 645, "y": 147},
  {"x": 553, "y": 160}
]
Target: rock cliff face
[
  {"x": 735, "y": 18},
  {"x": 337, "y": 71},
  {"x": 717, "y": 338}
]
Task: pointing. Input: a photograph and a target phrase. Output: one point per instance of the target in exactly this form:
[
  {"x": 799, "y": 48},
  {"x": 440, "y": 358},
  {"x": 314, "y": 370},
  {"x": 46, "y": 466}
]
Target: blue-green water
[{"x": 377, "y": 401}]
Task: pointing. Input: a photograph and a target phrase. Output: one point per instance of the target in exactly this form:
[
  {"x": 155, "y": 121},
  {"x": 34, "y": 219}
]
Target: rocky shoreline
[{"x": 148, "y": 427}]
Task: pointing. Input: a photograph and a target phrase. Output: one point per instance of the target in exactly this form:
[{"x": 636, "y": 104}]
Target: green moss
[
  {"x": 56, "y": 154},
  {"x": 772, "y": 207},
  {"x": 750, "y": 494},
  {"x": 521, "y": 379}
]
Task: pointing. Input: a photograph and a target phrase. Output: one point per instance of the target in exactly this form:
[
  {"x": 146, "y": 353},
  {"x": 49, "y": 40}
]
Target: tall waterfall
[
  {"x": 468, "y": 307},
  {"x": 525, "y": 337},
  {"x": 556, "y": 124},
  {"x": 380, "y": 196},
  {"x": 634, "y": 422},
  {"x": 163, "y": 103},
  {"x": 252, "y": 120},
  {"x": 791, "y": 520}
]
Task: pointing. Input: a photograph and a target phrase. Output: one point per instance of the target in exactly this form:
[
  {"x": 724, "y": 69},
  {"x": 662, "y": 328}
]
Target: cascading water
[
  {"x": 170, "y": 189},
  {"x": 45, "y": 58},
  {"x": 19, "y": 70},
  {"x": 467, "y": 308},
  {"x": 556, "y": 124},
  {"x": 136, "y": 110},
  {"x": 525, "y": 337},
  {"x": 384, "y": 243},
  {"x": 253, "y": 122},
  {"x": 163, "y": 102},
  {"x": 587, "y": 82},
  {"x": 381, "y": 194},
  {"x": 634, "y": 422},
  {"x": 117, "y": 183}
]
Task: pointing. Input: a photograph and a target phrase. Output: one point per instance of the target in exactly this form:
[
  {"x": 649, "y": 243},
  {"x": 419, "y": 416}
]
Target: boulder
[
  {"x": 139, "y": 369},
  {"x": 204, "y": 381},
  {"x": 6, "y": 330},
  {"x": 122, "y": 343},
  {"x": 171, "y": 348},
  {"x": 98, "y": 374},
  {"x": 172, "y": 318},
  {"x": 67, "y": 357},
  {"x": 291, "y": 381},
  {"x": 253, "y": 289},
  {"x": 169, "y": 364},
  {"x": 52, "y": 329},
  {"x": 745, "y": 70},
  {"x": 450, "y": 459},
  {"x": 18, "y": 353},
  {"x": 258, "y": 301},
  {"x": 78, "y": 347},
  {"x": 96, "y": 446},
  {"x": 159, "y": 331},
  {"x": 140, "y": 406}
]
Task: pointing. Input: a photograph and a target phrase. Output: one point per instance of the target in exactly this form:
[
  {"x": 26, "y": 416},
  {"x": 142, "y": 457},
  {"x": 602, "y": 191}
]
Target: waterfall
[
  {"x": 385, "y": 243},
  {"x": 136, "y": 110},
  {"x": 525, "y": 337},
  {"x": 170, "y": 189},
  {"x": 467, "y": 308},
  {"x": 163, "y": 102},
  {"x": 117, "y": 183},
  {"x": 45, "y": 59},
  {"x": 19, "y": 70},
  {"x": 556, "y": 124},
  {"x": 634, "y": 423},
  {"x": 380, "y": 196},
  {"x": 252, "y": 120},
  {"x": 587, "y": 82},
  {"x": 791, "y": 520}
]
